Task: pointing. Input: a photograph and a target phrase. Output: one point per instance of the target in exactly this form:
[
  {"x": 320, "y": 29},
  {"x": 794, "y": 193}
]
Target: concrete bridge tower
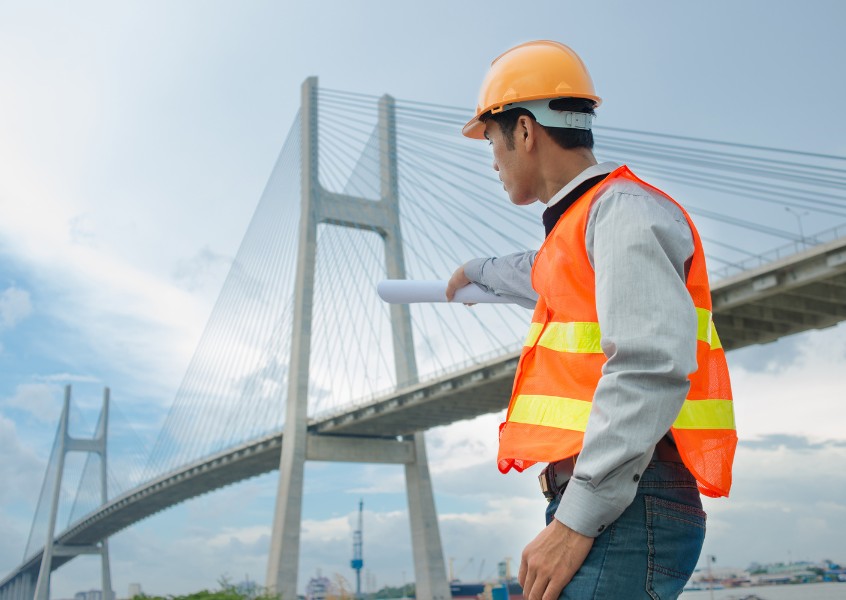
[
  {"x": 319, "y": 205},
  {"x": 52, "y": 550}
]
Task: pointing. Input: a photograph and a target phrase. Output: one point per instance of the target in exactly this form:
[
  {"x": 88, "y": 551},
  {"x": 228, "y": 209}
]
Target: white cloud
[
  {"x": 329, "y": 530},
  {"x": 243, "y": 536},
  {"x": 67, "y": 378},
  {"x": 21, "y": 472},
  {"x": 203, "y": 272},
  {"x": 791, "y": 397},
  {"x": 133, "y": 320},
  {"x": 41, "y": 400},
  {"x": 787, "y": 502},
  {"x": 167, "y": 564},
  {"x": 465, "y": 443},
  {"x": 15, "y": 306}
]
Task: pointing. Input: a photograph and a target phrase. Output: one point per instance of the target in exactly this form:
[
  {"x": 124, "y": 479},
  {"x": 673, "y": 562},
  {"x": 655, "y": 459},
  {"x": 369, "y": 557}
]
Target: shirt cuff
[
  {"x": 473, "y": 270},
  {"x": 584, "y": 511}
]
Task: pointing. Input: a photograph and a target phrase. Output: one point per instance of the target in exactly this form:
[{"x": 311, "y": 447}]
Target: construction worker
[{"x": 622, "y": 388}]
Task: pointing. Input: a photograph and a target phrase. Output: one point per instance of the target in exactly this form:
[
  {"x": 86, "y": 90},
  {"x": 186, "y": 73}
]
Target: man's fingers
[
  {"x": 554, "y": 588},
  {"x": 536, "y": 579},
  {"x": 521, "y": 574},
  {"x": 530, "y": 586},
  {"x": 458, "y": 280},
  {"x": 550, "y": 561},
  {"x": 537, "y": 589}
]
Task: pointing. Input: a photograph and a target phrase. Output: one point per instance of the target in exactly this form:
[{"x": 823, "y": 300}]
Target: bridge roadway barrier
[{"x": 798, "y": 293}]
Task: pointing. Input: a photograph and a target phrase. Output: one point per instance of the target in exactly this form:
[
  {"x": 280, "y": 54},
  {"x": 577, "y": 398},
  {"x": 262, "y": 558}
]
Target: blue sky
[{"x": 135, "y": 142}]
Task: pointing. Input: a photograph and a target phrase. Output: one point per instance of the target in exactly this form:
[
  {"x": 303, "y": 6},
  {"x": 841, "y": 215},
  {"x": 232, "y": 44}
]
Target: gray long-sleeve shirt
[{"x": 638, "y": 244}]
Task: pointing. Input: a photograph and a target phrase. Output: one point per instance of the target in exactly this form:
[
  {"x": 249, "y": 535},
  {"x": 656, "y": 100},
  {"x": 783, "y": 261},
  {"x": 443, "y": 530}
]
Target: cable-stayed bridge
[{"x": 301, "y": 361}]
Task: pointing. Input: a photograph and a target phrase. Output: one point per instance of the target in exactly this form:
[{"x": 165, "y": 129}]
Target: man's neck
[{"x": 560, "y": 168}]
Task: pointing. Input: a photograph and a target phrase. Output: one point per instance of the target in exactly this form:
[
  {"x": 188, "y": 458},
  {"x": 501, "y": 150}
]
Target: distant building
[
  {"x": 318, "y": 588},
  {"x": 731, "y": 576},
  {"x": 96, "y": 595},
  {"x": 134, "y": 590},
  {"x": 794, "y": 572},
  {"x": 89, "y": 595}
]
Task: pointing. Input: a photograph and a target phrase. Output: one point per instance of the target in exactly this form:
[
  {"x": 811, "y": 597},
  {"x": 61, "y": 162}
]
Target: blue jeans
[{"x": 652, "y": 549}]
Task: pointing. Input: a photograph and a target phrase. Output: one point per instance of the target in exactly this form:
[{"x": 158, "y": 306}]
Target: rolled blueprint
[{"x": 406, "y": 291}]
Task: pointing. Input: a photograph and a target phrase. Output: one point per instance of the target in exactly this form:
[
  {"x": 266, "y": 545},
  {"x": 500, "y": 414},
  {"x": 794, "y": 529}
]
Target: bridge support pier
[
  {"x": 381, "y": 216},
  {"x": 20, "y": 586},
  {"x": 425, "y": 534},
  {"x": 66, "y": 443}
]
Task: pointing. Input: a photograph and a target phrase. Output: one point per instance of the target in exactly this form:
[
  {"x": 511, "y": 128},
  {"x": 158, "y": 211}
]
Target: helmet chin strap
[{"x": 547, "y": 117}]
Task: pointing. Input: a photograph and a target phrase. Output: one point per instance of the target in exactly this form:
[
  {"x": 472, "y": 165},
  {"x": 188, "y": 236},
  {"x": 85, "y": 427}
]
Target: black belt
[
  {"x": 666, "y": 451},
  {"x": 554, "y": 476}
]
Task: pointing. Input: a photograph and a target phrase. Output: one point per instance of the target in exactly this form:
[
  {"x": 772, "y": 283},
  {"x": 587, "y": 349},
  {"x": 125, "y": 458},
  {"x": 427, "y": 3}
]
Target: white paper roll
[{"x": 406, "y": 291}]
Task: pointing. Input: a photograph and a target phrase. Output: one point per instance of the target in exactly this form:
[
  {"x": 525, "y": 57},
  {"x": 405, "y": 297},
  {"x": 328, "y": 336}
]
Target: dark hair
[{"x": 566, "y": 138}]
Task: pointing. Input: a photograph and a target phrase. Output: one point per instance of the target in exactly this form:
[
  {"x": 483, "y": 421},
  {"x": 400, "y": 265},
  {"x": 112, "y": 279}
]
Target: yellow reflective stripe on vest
[
  {"x": 572, "y": 414},
  {"x": 705, "y": 330},
  {"x": 706, "y": 414},
  {"x": 576, "y": 337},
  {"x": 551, "y": 411},
  {"x": 703, "y": 325},
  {"x": 715, "y": 339},
  {"x": 534, "y": 333},
  {"x": 584, "y": 337}
]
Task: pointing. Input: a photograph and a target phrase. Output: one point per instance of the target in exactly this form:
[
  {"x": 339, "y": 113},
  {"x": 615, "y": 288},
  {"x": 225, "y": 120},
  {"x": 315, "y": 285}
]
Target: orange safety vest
[{"x": 562, "y": 360}]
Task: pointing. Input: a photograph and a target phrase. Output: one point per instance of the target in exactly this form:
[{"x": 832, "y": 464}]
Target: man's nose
[{"x": 495, "y": 166}]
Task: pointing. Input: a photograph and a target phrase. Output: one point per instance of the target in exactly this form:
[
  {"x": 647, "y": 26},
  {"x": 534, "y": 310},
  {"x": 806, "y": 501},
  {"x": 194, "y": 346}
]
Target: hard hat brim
[{"x": 474, "y": 129}]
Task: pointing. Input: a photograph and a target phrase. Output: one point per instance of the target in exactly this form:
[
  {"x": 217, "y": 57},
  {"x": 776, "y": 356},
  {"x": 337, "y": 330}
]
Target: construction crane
[{"x": 357, "y": 561}]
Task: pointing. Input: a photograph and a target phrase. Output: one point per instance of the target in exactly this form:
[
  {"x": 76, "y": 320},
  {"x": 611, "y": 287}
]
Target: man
[{"x": 622, "y": 386}]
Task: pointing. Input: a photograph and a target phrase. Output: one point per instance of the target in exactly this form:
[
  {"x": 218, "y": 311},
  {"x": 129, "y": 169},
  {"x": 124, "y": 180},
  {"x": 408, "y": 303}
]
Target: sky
[{"x": 135, "y": 141}]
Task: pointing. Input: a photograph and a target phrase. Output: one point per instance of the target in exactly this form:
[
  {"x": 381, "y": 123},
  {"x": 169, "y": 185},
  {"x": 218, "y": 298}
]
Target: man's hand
[
  {"x": 550, "y": 561},
  {"x": 456, "y": 282}
]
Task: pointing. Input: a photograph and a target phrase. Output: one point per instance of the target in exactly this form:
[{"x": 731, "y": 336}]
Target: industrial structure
[{"x": 357, "y": 562}]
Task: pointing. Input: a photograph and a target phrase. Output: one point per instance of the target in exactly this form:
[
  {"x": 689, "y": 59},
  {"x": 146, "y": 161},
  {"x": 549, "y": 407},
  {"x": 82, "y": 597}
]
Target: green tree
[{"x": 227, "y": 591}]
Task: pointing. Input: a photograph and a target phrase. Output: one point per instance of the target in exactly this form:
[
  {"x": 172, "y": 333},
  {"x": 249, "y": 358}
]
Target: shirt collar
[{"x": 592, "y": 171}]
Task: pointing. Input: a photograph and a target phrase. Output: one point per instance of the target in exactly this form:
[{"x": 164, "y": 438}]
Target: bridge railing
[{"x": 789, "y": 249}]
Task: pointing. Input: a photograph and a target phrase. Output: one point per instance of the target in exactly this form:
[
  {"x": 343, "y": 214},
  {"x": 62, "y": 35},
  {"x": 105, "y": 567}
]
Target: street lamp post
[
  {"x": 799, "y": 216},
  {"x": 710, "y": 558}
]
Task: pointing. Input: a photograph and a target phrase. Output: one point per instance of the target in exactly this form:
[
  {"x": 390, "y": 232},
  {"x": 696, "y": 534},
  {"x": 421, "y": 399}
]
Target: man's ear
[{"x": 526, "y": 132}]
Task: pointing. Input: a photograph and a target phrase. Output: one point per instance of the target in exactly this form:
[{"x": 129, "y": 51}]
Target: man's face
[{"x": 511, "y": 164}]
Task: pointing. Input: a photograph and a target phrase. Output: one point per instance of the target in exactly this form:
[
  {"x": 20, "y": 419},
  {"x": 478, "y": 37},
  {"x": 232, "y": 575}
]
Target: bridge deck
[{"x": 799, "y": 293}]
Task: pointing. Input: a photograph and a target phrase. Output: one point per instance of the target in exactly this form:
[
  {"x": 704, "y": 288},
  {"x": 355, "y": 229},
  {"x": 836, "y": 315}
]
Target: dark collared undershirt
[{"x": 554, "y": 212}]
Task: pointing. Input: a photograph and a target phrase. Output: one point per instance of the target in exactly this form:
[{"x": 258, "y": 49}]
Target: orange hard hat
[{"x": 531, "y": 71}]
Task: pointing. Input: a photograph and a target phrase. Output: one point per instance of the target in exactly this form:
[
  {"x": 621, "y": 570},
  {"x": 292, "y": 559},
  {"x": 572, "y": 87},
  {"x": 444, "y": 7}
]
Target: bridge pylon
[
  {"x": 52, "y": 550},
  {"x": 382, "y": 216}
]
